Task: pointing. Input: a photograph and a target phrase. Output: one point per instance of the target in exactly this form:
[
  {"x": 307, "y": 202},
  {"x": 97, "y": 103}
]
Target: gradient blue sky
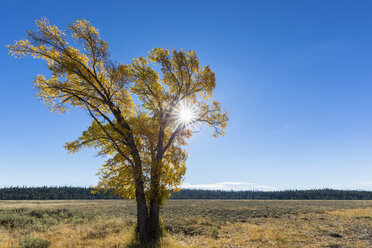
[{"x": 295, "y": 76}]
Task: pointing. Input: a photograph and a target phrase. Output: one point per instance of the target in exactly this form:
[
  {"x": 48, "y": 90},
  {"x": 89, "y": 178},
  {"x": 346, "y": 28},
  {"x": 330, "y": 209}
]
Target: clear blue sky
[{"x": 295, "y": 76}]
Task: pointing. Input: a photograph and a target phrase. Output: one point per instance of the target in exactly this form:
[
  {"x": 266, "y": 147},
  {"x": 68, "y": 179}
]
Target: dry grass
[
  {"x": 191, "y": 223},
  {"x": 354, "y": 213}
]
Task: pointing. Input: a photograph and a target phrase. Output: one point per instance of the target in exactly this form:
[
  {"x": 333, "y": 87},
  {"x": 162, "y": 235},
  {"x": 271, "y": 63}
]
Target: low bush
[
  {"x": 214, "y": 232},
  {"x": 41, "y": 218},
  {"x": 15, "y": 221},
  {"x": 31, "y": 242}
]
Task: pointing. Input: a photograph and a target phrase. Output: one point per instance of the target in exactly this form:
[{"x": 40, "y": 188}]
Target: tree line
[
  {"x": 313, "y": 194},
  {"x": 85, "y": 193}
]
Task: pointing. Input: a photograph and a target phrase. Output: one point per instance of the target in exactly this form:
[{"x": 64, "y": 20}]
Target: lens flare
[{"x": 186, "y": 114}]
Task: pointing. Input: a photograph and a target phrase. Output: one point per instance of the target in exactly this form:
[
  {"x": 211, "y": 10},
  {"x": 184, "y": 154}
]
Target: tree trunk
[
  {"x": 155, "y": 202},
  {"x": 142, "y": 217},
  {"x": 142, "y": 231},
  {"x": 154, "y": 221}
]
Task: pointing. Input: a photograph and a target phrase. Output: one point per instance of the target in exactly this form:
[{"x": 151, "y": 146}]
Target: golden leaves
[{"x": 131, "y": 105}]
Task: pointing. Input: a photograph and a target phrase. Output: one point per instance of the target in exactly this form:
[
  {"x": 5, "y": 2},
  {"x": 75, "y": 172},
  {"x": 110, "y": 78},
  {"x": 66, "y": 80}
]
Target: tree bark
[
  {"x": 142, "y": 215},
  {"x": 154, "y": 221},
  {"x": 155, "y": 202},
  {"x": 143, "y": 230}
]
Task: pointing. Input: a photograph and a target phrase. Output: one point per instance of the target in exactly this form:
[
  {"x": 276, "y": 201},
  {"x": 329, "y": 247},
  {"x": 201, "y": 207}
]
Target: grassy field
[{"x": 189, "y": 223}]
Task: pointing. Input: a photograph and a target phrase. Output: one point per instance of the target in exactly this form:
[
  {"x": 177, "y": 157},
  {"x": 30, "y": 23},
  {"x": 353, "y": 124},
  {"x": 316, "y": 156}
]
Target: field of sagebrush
[{"x": 189, "y": 223}]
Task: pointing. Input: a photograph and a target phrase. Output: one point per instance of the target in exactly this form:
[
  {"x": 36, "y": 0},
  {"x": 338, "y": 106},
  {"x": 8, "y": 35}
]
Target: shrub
[
  {"x": 14, "y": 221},
  {"x": 41, "y": 219},
  {"x": 214, "y": 232},
  {"x": 31, "y": 242}
]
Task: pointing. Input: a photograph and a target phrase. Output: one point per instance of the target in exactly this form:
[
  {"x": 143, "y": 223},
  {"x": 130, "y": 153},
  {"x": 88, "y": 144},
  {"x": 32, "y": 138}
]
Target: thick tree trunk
[
  {"x": 155, "y": 202},
  {"x": 154, "y": 221},
  {"x": 143, "y": 230},
  {"x": 142, "y": 216}
]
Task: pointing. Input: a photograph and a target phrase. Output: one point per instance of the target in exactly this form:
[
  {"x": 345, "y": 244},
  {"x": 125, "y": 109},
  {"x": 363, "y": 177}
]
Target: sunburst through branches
[{"x": 186, "y": 114}]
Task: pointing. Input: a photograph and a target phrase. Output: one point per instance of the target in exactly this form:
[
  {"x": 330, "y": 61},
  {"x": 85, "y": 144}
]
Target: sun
[{"x": 186, "y": 114}]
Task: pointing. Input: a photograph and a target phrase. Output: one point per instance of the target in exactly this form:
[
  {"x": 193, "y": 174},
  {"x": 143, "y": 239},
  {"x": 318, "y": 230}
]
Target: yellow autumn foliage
[{"x": 131, "y": 105}]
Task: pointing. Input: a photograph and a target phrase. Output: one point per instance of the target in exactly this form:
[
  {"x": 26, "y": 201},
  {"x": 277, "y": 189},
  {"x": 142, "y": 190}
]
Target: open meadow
[{"x": 189, "y": 223}]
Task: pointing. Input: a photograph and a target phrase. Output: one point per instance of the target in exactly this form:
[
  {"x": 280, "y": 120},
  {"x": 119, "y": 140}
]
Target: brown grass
[
  {"x": 192, "y": 223},
  {"x": 354, "y": 213}
]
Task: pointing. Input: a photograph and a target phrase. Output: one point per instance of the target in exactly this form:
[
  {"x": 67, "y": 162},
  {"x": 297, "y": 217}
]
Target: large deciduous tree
[{"x": 142, "y": 113}]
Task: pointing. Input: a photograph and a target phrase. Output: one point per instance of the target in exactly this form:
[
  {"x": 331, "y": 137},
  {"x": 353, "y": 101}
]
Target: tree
[{"x": 142, "y": 113}]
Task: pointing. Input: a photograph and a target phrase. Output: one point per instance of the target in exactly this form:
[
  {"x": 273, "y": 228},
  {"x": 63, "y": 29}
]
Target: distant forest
[{"x": 62, "y": 193}]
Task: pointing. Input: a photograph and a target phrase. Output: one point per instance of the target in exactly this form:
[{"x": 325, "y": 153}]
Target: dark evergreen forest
[{"x": 63, "y": 193}]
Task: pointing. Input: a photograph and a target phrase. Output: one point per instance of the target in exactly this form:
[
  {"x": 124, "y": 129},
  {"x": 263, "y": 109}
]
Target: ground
[{"x": 189, "y": 223}]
